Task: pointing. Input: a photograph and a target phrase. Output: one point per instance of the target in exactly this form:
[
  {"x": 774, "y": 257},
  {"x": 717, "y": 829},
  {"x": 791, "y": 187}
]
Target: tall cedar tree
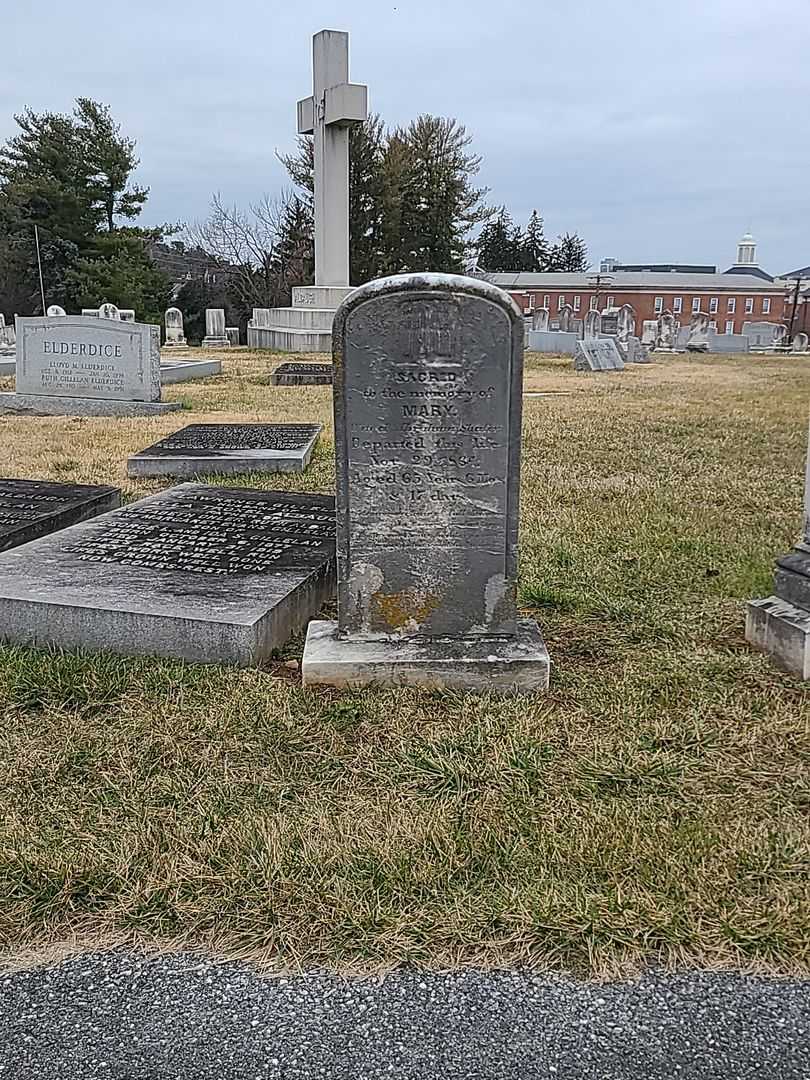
[
  {"x": 500, "y": 245},
  {"x": 535, "y": 249},
  {"x": 570, "y": 253},
  {"x": 70, "y": 176}
]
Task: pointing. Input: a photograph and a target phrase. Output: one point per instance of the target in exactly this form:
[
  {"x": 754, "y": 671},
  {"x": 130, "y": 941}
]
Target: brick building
[{"x": 728, "y": 299}]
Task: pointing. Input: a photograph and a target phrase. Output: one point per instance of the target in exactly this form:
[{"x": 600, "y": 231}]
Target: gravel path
[{"x": 129, "y": 1017}]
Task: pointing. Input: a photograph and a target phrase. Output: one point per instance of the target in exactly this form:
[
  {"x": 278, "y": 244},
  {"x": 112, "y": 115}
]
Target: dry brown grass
[{"x": 651, "y": 808}]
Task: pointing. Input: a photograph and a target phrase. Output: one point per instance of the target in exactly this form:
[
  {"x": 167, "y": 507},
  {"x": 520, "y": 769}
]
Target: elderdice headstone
[
  {"x": 33, "y": 508},
  {"x": 427, "y": 392},
  {"x": 780, "y": 625},
  {"x": 215, "y": 336},
  {"x": 207, "y": 574},
  {"x": 200, "y": 449}
]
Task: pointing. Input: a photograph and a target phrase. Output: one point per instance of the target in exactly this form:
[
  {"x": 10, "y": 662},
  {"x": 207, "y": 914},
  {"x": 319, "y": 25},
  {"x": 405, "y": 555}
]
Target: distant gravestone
[
  {"x": 625, "y": 323},
  {"x": 667, "y": 332},
  {"x": 540, "y": 319},
  {"x": 87, "y": 366},
  {"x": 215, "y": 336},
  {"x": 175, "y": 333},
  {"x": 552, "y": 341},
  {"x": 728, "y": 343},
  {"x": 800, "y": 342},
  {"x": 780, "y": 624},
  {"x": 109, "y": 311},
  {"x": 33, "y": 508},
  {"x": 126, "y": 314},
  {"x": 566, "y": 319},
  {"x": 203, "y": 449},
  {"x": 8, "y": 338},
  {"x": 598, "y": 354},
  {"x": 698, "y": 339},
  {"x": 428, "y": 396},
  {"x": 55, "y": 312},
  {"x": 302, "y": 374},
  {"x": 636, "y": 353},
  {"x": 197, "y": 573},
  {"x": 610, "y": 321},
  {"x": 762, "y": 335},
  {"x": 593, "y": 325},
  {"x": 232, "y": 334},
  {"x": 649, "y": 333}
]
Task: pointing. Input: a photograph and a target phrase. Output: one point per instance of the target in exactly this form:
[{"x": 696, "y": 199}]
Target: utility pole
[
  {"x": 596, "y": 281},
  {"x": 795, "y": 307}
]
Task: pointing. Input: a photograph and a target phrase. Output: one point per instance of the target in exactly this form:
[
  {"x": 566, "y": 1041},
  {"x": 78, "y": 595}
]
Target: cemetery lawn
[{"x": 652, "y": 808}]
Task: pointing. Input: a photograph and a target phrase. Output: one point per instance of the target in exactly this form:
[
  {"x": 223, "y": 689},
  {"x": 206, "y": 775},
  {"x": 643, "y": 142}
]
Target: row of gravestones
[
  {"x": 421, "y": 542},
  {"x": 217, "y": 334}
]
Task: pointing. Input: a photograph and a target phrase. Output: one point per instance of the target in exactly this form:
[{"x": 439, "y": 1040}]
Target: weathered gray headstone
[
  {"x": 698, "y": 339},
  {"x": 175, "y": 334},
  {"x": 728, "y": 343},
  {"x": 636, "y": 353},
  {"x": 566, "y": 318},
  {"x": 610, "y": 321},
  {"x": 215, "y": 336},
  {"x": 428, "y": 395},
  {"x": 667, "y": 332},
  {"x": 87, "y": 366},
  {"x": 205, "y": 574},
  {"x": 203, "y": 449},
  {"x": 762, "y": 335},
  {"x": 593, "y": 325},
  {"x": 649, "y": 333},
  {"x": 780, "y": 625},
  {"x": 552, "y": 341},
  {"x": 109, "y": 311},
  {"x": 540, "y": 319},
  {"x": 55, "y": 311},
  {"x": 598, "y": 354},
  {"x": 126, "y": 314},
  {"x": 625, "y": 324},
  {"x": 232, "y": 334},
  {"x": 8, "y": 338},
  {"x": 800, "y": 342},
  {"x": 33, "y": 508}
]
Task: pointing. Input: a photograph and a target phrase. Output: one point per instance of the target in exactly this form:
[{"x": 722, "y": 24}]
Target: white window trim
[
  {"x": 677, "y": 305},
  {"x": 560, "y": 301},
  {"x": 766, "y": 305},
  {"x": 577, "y": 302},
  {"x": 714, "y": 304},
  {"x": 611, "y": 301},
  {"x": 532, "y": 299},
  {"x": 695, "y": 305},
  {"x": 731, "y": 305},
  {"x": 659, "y": 305},
  {"x": 749, "y": 305},
  {"x": 594, "y": 303},
  {"x": 729, "y": 323}
]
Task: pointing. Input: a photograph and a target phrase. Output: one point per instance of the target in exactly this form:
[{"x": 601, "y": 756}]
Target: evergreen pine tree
[
  {"x": 500, "y": 244},
  {"x": 570, "y": 254},
  {"x": 534, "y": 249}
]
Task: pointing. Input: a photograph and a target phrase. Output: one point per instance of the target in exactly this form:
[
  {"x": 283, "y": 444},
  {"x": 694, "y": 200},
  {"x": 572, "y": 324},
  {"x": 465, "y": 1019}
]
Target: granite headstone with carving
[
  {"x": 598, "y": 354},
  {"x": 302, "y": 374},
  {"x": 428, "y": 395},
  {"x": 33, "y": 508}
]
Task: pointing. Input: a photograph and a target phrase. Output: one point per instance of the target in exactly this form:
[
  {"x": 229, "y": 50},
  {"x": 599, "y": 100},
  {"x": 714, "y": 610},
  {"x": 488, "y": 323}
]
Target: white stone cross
[{"x": 335, "y": 105}]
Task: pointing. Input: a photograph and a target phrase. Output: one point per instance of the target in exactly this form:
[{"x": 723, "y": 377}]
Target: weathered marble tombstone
[
  {"x": 727, "y": 343},
  {"x": 598, "y": 354},
  {"x": 232, "y": 334},
  {"x": 175, "y": 333},
  {"x": 635, "y": 352},
  {"x": 649, "y": 332},
  {"x": 593, "y": 325},
  {"x": 698, "y": 339},
  {"x": 780, "y": 624},
  {"x": 625, "y": 327},
  {"x": 109, "y": 311},
  {"x": 55, "y": 312},
  {"x": 126, "y": 314},
  {"x": 33, "y": 508},
  {"x": 302, "y": 374},
  {"x": 610, "y": 321},
  {"x": 540, "y": 319},
  {"x": 8, "y": 338},
  {"x": 566, "y": 319},
  {"x": 552, "y": 341},
  {"x": 203, "y": 449},
  {"x": 780, "y": 338},
  {"x": 800, "y": 342},
  {"x": 78, "y": 366},
  {"x": 762, "y": 335},
  {"x": 215, "y": 336},
  {"x": 198, "y": 573},
  {"x": 665, "y": 339},
  {"x": 428, "y": 396}
]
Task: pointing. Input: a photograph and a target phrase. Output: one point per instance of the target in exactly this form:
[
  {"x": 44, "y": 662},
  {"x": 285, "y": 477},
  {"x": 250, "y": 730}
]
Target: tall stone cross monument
[{"x": 335, "y": 105}]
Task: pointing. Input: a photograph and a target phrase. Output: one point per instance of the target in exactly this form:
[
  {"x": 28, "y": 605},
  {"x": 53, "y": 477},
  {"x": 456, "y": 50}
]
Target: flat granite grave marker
[
  {"x": 206, "y": 574},
  {"x": 780, "y": 624},
  {"x": 598, "y": 354},
  {"x": 294, "y": 374},
  {"x": 201, "y": 449},
  {"x": 85, "y": 366},
  {"x": 33, "y": 508},
  {"x": 427, "y": 393}
]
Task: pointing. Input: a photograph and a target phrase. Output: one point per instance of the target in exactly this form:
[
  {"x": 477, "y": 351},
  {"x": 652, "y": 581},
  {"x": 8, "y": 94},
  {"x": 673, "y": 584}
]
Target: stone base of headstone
[
  {"x": 306, "y": 327},
  {"x": 174, "y": 346},
  {"x": 176, "y": 371},
  {"x": 33, "y": 508},
  {"x": 518, "y": 665},
  {"x": 215, "y": 343},
  {"x": 302, "y": 375},
  {"x": 197, "y": 573},
  {"x": 225, "y": 449},
  {"x": 43, "y": 405},
  {"x": 782, "y": 630}
]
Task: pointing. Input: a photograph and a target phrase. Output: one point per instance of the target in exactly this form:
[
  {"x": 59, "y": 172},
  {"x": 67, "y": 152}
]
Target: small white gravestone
[
  {"x": 698, "y": 340},
  {"x": 540, "y": 319},
  {"x": 109, "y": 311},
  {"x": 649, "y": 332},
  {"x": 215, "y": 336},
  {"x": 598, "y": 354},
  {"x": 593, "y": 325},
  {"x": 566, "y": 319},
  {"x": 8, "y": 338},
  {"x": 55, "y": 312},
  {"x": 800, "y": 342},
  {"x": 625, "y": 324},
  {"x": 667, "y": 332},
  {"x": 75, "y": 365},
  {"x": 175, "y": 333}
]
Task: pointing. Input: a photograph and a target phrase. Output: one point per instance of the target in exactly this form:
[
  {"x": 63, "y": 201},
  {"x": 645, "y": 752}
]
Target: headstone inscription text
[
  {"x": 206, "y": 439},
  {"x": 33, "y": 508},
  {"x": 427, "y": 409},
  {"x": 295, "y": 374},
  {"x": 207, "y": 531}
]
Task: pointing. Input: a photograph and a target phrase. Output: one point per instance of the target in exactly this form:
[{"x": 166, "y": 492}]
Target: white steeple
[{"x": 747, "y": 251}]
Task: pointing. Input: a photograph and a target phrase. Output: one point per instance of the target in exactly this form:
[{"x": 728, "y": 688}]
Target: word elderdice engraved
[{"x": 428, "y": 389}]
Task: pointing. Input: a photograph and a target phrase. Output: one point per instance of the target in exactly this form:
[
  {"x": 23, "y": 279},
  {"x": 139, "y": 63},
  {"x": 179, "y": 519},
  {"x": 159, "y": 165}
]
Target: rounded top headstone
[
  {"x": 109, "y": 311},
  {"x": 54, "y": 311}
]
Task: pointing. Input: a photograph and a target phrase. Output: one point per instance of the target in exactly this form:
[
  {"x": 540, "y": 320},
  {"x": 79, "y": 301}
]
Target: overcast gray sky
[{"x": 658, "y": 129}]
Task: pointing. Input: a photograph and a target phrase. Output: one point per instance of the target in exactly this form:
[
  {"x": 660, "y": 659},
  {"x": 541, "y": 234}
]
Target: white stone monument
[
  {"x": 215, "y": 337},
  {"x": 55, "y": 312},
  {"x": 335, "y": 105},
  {"x": 8, "y": 338},
  {"x": 175, "y": 334}
]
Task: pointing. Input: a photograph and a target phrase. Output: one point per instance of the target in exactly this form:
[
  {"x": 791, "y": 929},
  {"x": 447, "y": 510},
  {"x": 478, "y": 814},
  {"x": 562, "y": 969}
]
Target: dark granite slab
[
  {"x": 33, "y": 508},
  {"x": 203, "y": 449},
  {"x": 294, "y": 374}
]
